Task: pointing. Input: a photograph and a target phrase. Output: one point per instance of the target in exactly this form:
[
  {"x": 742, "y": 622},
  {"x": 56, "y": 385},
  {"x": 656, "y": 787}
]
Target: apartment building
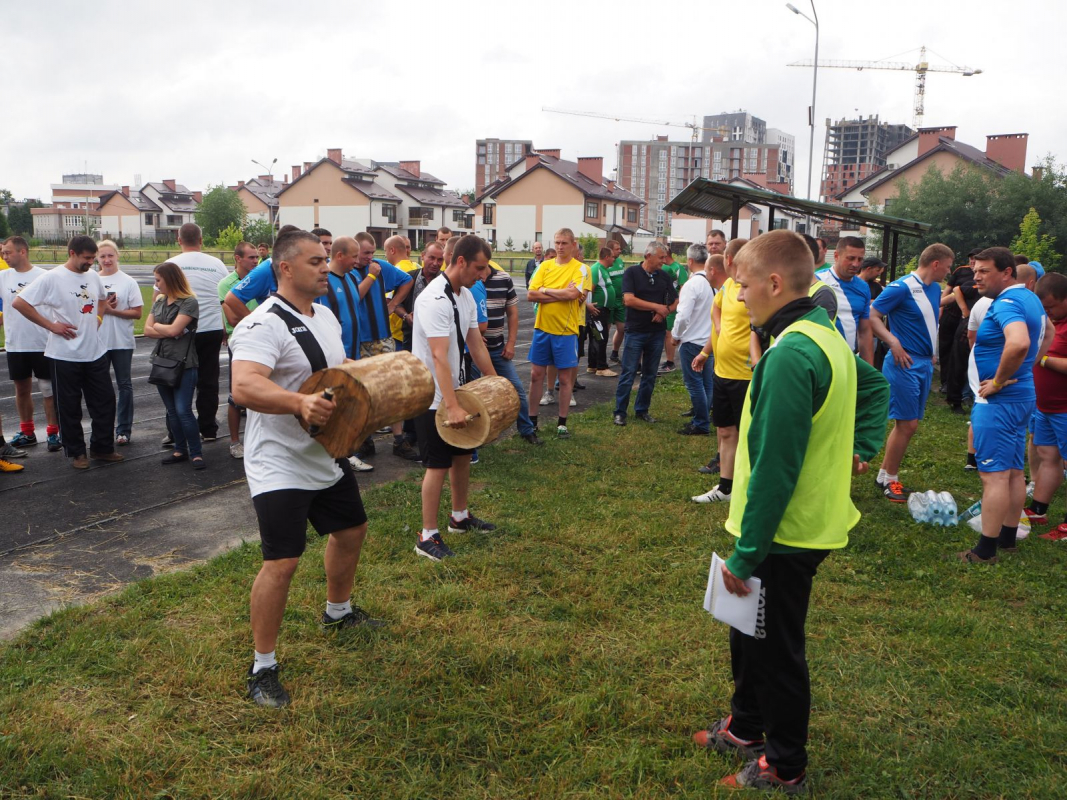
[
  {"x": 493, "y": 157},
  {"x": 855, "y": 150}
]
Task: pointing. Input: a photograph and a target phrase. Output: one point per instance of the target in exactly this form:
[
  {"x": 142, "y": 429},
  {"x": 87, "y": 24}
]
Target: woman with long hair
[
  {"x": 118, "y": 314},
  {"x": 172, "y": 322}
]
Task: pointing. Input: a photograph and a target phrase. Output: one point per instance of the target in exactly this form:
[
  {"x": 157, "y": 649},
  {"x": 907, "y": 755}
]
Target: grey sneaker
[
  {"x": 434, "y": 549},
  {"x": 760, "y": 775},
  {"x": 10, "y": 451},
  {"x": 266, "y": 689},
  {"x": 237, "y": 449},
  {"x": 719, "y": 738}
]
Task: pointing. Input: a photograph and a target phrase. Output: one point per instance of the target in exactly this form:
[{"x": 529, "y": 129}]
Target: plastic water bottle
[
  {"x": 919, "y": 506},
  {"x": 974, "y": 510},
  {"x": 948, "y": 505}
]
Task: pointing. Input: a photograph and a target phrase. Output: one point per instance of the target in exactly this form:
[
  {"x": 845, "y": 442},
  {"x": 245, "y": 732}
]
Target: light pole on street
[
  {"x": 814, "y": 86},
  {"x": 270, "y": 174}
]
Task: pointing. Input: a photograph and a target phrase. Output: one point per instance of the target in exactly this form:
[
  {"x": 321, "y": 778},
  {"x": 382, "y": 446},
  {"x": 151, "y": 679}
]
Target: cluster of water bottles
[{"x": 937, "y": 508}]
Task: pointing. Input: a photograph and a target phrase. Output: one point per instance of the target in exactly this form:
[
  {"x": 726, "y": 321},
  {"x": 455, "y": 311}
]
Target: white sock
[
  {"x": 459, "y": 516},
  {"x": 263, "y": 661},
  {"x": 881, "y": 476},
  {"x": 427, "y": 534},
  {"x": 890, "y": 478},
  {"x": 338, "y": 610}
]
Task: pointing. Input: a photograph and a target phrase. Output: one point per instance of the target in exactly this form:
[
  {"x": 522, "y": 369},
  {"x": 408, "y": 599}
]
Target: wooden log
[
  {"x": 370, "y": 394},
  {"x": 493, "y": 405}
]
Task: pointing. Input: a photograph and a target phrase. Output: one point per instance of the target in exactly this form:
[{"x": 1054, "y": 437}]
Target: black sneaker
[
  {"x": 168, "y": 442},
  {"x": 711, "y": 467},
  {"x": 614, "y": 358},
  {"x": 356, "y": 618},
  {"x": 471, "y": 523},
  {"x": 644, "y": 416},
  {"x": 691, "y": 430},
  {"x": 532, "y": 438},
  {"x": 688, "y": 413},
  {"x": 578, "y": 387},
  {"x": 434, "y": 548},
  {"x": 406, "y": 451},
  {"x": 266, "y": 689},
  {"x": 366, "y": 449}
]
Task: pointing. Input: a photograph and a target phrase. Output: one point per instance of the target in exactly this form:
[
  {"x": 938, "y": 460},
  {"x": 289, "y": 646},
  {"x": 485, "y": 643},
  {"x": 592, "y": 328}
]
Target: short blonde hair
[
  {"x": 107, "y": 243},
  {"x": 782, "y": 252}
]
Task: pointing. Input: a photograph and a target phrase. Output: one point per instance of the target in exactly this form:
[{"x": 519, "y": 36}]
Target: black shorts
[
  {"x": 728, "y": 401},
  {"x": 229, "y": 398},
  {"x": 434, "y": 452},
  {"x": 284, "y": 514},
  {"x": 21, "y": 366}
]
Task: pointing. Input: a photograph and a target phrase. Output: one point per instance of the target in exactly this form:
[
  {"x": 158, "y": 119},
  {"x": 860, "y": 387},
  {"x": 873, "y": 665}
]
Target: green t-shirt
[
  {"x": 615, "y": 273},
  {"x": 225, "y": 285},
  {"x": 679, "y": 275},
  {"x": 603, "y": 294}
]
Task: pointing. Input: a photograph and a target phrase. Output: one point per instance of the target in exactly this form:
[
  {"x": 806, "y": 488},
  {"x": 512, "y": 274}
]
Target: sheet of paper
[{"x": 737, "y": 612}]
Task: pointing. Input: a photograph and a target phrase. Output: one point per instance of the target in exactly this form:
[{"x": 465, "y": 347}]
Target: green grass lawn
[{"x": 566, "y": 655}]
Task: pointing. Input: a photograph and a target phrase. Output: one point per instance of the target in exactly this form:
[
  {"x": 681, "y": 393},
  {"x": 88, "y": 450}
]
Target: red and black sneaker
[
  {"x": 760, "y": 775},
  {"x": 719, "y": 738},
  {"x": 1035, "y": 518},
  {"x": 895, "y": 492}
]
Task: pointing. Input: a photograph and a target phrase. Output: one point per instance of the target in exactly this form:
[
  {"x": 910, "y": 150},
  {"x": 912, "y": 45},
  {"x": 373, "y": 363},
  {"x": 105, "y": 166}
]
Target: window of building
[
  {"x": 174, "y": 219},
  {"x": 631, "y": 215},
  {"x": 591, "y": 210},
  {"x": 458, "y": 215},
  {"x": 487, "y": 215},
  {"x": 389, "y": 212},
  {"x": 147, "y": 219},
  {"x": 420, "y": 215}
]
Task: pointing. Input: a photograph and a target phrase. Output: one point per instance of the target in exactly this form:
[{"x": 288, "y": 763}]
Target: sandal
[{"x": 174, "y": 458}]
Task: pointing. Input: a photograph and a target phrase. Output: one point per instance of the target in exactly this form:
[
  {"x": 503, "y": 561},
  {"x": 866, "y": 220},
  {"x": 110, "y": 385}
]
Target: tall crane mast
[{"x": 920, "y": 69}]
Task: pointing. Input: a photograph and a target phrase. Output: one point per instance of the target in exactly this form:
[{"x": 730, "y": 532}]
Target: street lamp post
[
  {"x": 270, "y": 174},
  {"x": 814, "y": 87}
]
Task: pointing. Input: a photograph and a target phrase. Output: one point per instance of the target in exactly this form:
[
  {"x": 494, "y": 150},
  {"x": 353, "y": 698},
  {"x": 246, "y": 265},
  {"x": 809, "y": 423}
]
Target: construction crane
[
  {"x": 920, "y": 69},
  {"x": 697, "y": 129}
]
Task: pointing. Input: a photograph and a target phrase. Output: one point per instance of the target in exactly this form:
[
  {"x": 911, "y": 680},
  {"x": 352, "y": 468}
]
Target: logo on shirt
[
  {"x": 83, "y": 294},
  {"x": 298, "y": 329}
]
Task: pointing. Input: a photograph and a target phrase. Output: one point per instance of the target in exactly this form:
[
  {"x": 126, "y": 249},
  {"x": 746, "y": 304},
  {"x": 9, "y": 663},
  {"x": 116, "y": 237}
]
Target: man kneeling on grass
[{"x": 814, "y": 415}]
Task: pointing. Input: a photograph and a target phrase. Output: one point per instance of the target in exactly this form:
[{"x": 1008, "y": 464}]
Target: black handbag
[{"x": 168, "y": 371}]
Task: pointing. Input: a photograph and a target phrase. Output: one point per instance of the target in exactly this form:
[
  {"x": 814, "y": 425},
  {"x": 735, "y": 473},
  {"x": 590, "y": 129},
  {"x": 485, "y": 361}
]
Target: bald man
[{"x": 814, "y": 415}]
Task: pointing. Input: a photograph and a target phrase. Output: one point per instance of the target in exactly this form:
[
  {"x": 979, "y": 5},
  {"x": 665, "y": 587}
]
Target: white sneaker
[
  {"x": 237, "y": 449},
  {"x": 714, "y": 496},
  {"x": 359, "y": 465},
  {"x": 547, "y": 399},
  {"x": 573, "y": 404}
]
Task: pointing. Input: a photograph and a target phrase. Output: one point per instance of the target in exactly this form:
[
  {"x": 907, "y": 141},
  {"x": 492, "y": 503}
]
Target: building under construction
[{"x": 856, "y": 149}]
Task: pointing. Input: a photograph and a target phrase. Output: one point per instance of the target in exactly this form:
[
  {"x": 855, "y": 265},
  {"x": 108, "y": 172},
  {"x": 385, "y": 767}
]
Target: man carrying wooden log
[
  {"x": 293, "y": 480},
  {"x": 446, "y": 319}
]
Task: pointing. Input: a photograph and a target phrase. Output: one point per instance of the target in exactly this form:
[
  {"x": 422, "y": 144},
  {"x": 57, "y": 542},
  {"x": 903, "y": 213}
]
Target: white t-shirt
[
  {"x": 72, "y": 297},
  {"x": 204, "y": 273},
  {"x": 692, "y": 323},
  {"x": 279, "y": 454},
  {"x": 434, "y": 317},
  {"x": 117, "y": 333},
  {"x": 978, "y": 312},
  {"x": 20, "y": 335}
]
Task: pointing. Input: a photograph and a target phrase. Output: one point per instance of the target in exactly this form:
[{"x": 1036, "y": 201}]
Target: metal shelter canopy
[{"x": 711, "y": 199}]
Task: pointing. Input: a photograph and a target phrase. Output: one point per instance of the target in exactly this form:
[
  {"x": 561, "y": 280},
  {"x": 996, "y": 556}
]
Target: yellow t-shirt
[
  {"x": 3, "y": 265},
  {"x": 396, "y": 325},
  {"x": 731, "y": 348},
  {"x": 561, "y": 318}
]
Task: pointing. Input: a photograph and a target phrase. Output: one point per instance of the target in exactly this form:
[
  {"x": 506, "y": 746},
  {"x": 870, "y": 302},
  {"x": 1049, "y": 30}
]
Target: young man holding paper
[{"x": 814, "y": 415}]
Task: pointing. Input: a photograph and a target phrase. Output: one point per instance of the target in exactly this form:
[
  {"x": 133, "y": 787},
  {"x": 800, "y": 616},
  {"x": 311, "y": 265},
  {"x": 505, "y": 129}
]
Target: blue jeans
[
  {"x": 180, "y": 419},
  {"x": 506, "y": 369},
  {"x": 121, "y": 362},
  {"x": 698, "y": 384},
  {"x": 644, "y": 347}
]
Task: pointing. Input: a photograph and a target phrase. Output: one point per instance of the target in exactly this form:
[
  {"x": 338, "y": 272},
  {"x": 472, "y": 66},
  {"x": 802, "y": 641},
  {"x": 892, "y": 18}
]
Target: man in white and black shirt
[
  {"x": 293, "y": 480},
  {"x": 692, "y": 328},
  {"x": 69, "y": 302},
  {"x": 25, "y": 343},
  {"x": 445, "y": 315}
]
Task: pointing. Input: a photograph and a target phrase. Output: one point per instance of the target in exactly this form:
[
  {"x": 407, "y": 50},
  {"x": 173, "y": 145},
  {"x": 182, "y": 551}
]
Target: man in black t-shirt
[{"x": 649, "y": 296}]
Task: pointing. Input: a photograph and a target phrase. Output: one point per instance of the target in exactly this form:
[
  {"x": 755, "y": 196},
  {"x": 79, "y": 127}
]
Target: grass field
[{"x": 565, "y": 656}]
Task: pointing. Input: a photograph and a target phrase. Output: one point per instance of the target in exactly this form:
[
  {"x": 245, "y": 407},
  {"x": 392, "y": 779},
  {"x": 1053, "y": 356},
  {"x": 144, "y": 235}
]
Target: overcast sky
[{"x": 194, "y": 91}]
